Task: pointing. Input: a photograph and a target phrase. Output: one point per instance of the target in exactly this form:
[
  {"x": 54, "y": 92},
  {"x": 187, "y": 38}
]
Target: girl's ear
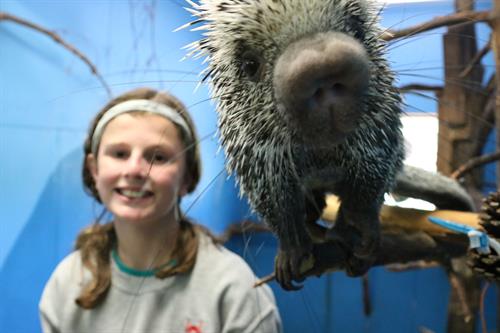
[
  {"x": 185, "y": 185},
  {"x": 92, "y": 165},
  {"x": 183, "y": 190}
]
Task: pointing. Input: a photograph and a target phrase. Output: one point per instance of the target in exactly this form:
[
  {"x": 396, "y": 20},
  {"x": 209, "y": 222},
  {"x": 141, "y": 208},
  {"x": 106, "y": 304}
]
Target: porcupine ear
[{"x": 488, "y": 265}]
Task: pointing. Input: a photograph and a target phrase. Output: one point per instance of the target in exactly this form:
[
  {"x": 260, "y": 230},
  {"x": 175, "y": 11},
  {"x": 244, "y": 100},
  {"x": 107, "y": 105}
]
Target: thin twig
[
  {"x": 9, "y": 17},
  {"x": 476, "y": 59},
  {"x": 440, "y": 21},
  {"x": 367, "y": 302},
  {"x": 421, "y": 87},
  {"x": 484, "y": 327},
  {"x": 460, "y": 290},
  {"x": 474, "y": 163},
  {"x": 404, "y": 267},
  {"x": 243, "y": 227}
]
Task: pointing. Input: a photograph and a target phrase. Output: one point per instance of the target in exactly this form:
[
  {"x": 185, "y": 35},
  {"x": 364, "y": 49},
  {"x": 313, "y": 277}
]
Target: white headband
[{"x": 136, "y": 105}]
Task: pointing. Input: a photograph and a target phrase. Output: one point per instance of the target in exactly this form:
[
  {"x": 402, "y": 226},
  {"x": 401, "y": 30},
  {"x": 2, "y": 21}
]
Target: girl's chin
[{"x": 132, "y": 214}]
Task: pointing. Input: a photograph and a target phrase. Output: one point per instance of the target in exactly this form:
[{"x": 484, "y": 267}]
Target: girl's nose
[{"x": 136, "y": 167}]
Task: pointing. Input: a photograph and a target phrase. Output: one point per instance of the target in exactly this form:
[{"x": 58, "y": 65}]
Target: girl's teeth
[{"x": 134, "y": 194}]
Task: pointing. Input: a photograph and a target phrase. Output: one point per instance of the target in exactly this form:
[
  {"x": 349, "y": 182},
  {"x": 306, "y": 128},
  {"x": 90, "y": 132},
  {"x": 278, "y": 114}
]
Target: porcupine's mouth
[{"x": 322, "y": 127}]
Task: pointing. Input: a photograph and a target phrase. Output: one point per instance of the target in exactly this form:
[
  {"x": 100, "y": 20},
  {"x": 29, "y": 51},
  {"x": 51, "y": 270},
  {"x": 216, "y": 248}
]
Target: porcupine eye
[
  {"x": 250, "y": 65},
  {"x": 357, "y": 27}
]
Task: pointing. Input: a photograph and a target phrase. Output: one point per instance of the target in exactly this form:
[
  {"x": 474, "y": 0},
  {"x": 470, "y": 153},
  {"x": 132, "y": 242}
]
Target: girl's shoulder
[{"x": 69, "y": 270}]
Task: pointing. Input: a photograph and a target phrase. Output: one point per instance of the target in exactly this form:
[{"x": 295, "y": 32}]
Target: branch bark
[
  {"x": 407, "y": 236},
  {"x": 395, "y": 247},
  {"x": 476, "y": 59},
  {"x": 440, "y": 21},
  {"x": 9, "y": 17},
  {"x": 474, "y": 163},
  {"x": 421, "y": 87}
]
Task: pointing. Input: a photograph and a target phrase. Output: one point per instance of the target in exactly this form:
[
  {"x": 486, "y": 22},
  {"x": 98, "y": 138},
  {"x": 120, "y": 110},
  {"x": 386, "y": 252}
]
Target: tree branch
[
  {"x": 440, "y": 21},
  {"x": 9, "y": 17},
  {"x": 474, "y": 163},
  {"x": 394, "y": 248},
  {"x": 421, "y": 87},
  {"x": 407, "y": 236},
  {"x": 476, "y": 59}
]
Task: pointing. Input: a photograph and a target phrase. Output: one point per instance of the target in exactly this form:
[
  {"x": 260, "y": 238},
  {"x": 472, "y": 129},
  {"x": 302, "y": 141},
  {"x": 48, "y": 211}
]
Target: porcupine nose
[{"x": 319, "y": 82}]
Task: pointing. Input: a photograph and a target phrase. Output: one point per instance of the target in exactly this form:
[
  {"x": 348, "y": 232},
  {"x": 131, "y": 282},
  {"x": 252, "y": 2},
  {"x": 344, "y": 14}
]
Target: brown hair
[{"x": 96, "y": 242}]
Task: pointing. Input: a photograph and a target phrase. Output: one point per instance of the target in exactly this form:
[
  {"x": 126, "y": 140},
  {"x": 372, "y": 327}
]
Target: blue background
[{"x": 48, "y": 97}]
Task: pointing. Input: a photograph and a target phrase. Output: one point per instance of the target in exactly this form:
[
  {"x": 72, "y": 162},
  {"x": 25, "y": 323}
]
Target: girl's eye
[
  {"x": 158, "y": 158},
  {"x": 120, "y": 154}
]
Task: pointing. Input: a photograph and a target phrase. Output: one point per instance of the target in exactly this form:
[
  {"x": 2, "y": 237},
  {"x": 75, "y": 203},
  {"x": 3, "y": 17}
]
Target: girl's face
[{"x": 140, "y": 168}]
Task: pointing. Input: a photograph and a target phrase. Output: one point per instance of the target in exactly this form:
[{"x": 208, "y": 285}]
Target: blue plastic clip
[{"x": 478, "y": 239}]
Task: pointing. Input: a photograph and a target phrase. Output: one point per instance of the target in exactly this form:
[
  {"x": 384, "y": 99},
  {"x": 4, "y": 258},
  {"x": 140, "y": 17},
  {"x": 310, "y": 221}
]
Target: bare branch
[
  {"x": 9, "y": 17},
  {"x": 474, "y": 163},
  {"x": 394, "y": 248},
  {"x": 477, "y": 58},
  {"x": 421, "y": 87},
  {"x": 440, "y": 21}
]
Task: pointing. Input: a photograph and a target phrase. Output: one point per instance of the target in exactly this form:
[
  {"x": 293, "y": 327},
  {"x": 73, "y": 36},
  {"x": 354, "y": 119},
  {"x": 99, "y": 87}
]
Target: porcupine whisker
[
  {"x": 98, "y": 88},
  {"x": 202, "y": 192},
  {"x": 388, "y": 29},
  {"x": 467, "y": 84},
  {"x": 418, "y": 31},
  {"x": 311, "y": 313},
  {"x": 181, "y": 153},
  {"x": 444, "y": 121},
  {"x": 212, "y": 98},
  {"x": 411, "y": 70},
  {"x": 151, "y": 70}
]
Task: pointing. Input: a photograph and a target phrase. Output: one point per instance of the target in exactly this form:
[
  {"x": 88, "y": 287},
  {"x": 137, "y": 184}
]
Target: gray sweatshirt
[{"x": 216, "y": 297}]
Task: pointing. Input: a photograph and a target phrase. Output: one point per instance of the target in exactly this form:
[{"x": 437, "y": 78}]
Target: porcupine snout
[{"x": 319, "y": 83}]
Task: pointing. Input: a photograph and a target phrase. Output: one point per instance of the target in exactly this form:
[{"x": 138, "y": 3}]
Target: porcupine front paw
[
  {"x": 288, "y": 264},
  {"x": 361, "y": 245},
  {"x": 365, "y": 249}
]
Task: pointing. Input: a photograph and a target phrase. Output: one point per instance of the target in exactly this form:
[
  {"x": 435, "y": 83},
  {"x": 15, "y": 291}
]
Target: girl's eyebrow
[
  {"x": 115, "y": 144},
  {"x": 164, "y": 145}
]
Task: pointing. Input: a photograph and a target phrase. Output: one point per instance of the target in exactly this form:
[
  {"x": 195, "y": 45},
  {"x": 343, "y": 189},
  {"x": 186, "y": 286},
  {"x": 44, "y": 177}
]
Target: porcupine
[{"x": 307, "y": 106}]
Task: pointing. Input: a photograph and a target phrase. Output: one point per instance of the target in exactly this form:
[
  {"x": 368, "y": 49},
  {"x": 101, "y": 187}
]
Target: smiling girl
[{"x": 150, "y": 269}]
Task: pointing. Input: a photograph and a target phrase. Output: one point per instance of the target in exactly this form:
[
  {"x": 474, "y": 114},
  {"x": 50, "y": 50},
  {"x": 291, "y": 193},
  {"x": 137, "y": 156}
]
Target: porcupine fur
[{"x": 284, "y": 175}]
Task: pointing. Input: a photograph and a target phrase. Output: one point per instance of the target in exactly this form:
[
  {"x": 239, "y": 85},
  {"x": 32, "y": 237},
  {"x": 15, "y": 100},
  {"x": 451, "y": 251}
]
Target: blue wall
[{"x": 47, "y": 98}]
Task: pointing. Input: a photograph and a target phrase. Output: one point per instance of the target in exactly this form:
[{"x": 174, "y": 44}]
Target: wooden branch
[
  {"x": 495, "y": 44},
  {"x": 9, "y": 17},
  {"x": 476, "y": 60},
  {"x": 407, "y": 236},
  {"x": 464, "y": 297},
  {"x": 474, "y": 163},
  {"x": 486, "y": 125},
  {"x": 409, "y": 219},
  {"x": 421, "y": 87},
  {"x": 394, "y": 248},
  {"x": 440, "y": 21},
  {"x": 392, "y": 219},
  {"x": 459, "y": 290}
]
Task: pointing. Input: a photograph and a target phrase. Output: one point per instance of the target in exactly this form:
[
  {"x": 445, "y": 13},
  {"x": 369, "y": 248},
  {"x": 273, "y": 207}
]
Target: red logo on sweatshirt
[{"x": 192, "y": 328}]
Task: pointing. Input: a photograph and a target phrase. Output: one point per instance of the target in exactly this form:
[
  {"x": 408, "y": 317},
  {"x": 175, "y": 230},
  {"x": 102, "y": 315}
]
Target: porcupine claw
[
  {"x": 360, "y": 240},
  {"x": 289, "y": 266}
]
